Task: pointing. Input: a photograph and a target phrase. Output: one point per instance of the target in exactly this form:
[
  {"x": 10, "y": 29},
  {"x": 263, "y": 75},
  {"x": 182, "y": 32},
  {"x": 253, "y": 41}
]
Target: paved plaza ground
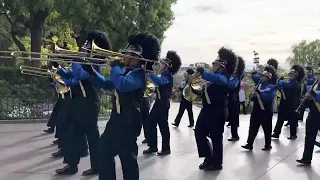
[{"x": 25, "y": 154}]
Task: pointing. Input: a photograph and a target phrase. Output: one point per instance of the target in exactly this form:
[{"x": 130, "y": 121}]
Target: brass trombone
[
  {"x": 68, "y": 56},
  {"x": 60, "y": 85}
]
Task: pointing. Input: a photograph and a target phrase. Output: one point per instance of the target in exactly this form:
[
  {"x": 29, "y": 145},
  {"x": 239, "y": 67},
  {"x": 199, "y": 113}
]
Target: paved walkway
[{"x": 25, "y": 155}]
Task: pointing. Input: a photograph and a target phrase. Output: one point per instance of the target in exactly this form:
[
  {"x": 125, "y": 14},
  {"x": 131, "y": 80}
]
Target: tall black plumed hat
[
  {"x": 173, "y": 60},
  {"x": 273, "y": 62},
  {"x": 300, "y": 72},
  {"x": 228, "y": 59},
  {"x": 271, "y": 71},
  {"x": 240, "y": 67},
  {"x": 149, "y": 45},
  {"x": 100, "y": 38}
]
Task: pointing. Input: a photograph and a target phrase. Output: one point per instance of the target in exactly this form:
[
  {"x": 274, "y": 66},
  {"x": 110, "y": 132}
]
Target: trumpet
[{"x": 61, "y": 87}]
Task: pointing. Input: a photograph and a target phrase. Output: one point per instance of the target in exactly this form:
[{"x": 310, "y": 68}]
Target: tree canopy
[
  {"x": 30, "y": 24},
  {"x": 305, "y": 53}
]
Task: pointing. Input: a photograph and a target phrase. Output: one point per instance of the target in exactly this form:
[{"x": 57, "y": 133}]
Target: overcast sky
[{"x": 270, "y": 27}]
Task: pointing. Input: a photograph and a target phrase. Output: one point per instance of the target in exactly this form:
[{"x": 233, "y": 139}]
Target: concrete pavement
[{"x": 25, "y": 155}]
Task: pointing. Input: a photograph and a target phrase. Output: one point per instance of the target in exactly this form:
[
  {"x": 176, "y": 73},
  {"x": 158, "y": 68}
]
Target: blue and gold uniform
[
  {"x": 290, "y": 100},
  {"x": 124, "y": 126},
  {"x": 233, "y": 99},
  {"x": 160, "y": 110},
  {"x": 312, "y": 123},
  {"x": 262, "y": 111},
  {"x": 309, "y": 80},
  {"x": 85, "y": 106},
  {"x": 185, "y": 105},
  {"x": 214, "y": 110}
]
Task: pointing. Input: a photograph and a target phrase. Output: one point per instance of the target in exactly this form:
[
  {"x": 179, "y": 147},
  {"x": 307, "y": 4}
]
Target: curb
[{"x": 34, "y": 121}]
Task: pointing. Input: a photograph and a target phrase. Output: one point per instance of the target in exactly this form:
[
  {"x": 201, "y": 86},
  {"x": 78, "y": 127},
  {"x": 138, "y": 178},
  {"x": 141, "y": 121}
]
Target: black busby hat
[
  {"x": 240, "y": 67},
  {"x": 190, "y": 71},
  {"x": 227, "y": 59},
  {"x": 299, "y": 71},
  {"x": 100, "y": 38},
  {"x": 173, "y": 61},
  {"x": 271, "y": 73},
  {"x": 273, "y": 62},
  {"x": 145, "y": 45}
]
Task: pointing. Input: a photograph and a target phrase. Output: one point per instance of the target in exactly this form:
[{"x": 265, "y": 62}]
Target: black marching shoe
[
  {"x": 49, "y": 130},
  {"x": 164, "y": 152},
  {"x": 248, "y": 147},
  {"x": 90, "y": 172},
  {"x": 56, "y": 141},
  {"x": 175, "y": 124},
  {"x": 287, "y": 124},
  {"x": 228, "y": 125},
  {"x": 144, "y": 141},
  {"x": 317, "y": 143},
  {"x": 304, "y": 162},
  {"x": 150, "y": 151},
  {"x": 213, "y": 168},
  {"x": 57, "y": 154},
  {"x": 275, "y": 136},
  {"x": 191, "y": 125},
  {"x": 292, "y": 137},
  {"x": 267, "y": 148},
  {"x": 205, "y": 164},
  {"x": 67, "y": 170},
  {"x": 234, "y": 139}
]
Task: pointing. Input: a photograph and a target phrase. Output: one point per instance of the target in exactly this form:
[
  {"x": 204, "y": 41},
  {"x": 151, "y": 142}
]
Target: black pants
[
  {"x": 118, "y": 139},
  {"x": 286, "y": 115},
  {"x": 312, "y": 127},
  {"x": 212, "y": 126},
  {"x": 243, "y": 104},
  {"x": 159, "y": 116},
  {"x": 184, "y": 105},
  {"x": 233, "y": 117},
  {"x": 145, "y": 106},
  {"x": 260, "y": 118},
  {"x": 301, "y": 114},
  {"x": 84, "y": 122},
  {"x": 63, "y": 129},
  {"x": 54, "y": 114}
]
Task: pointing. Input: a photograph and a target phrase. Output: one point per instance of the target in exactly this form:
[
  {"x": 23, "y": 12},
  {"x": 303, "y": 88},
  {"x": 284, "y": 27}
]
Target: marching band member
[
  {"x": 185, "y": 104},
  {"x": 63, "y": 124},
  {"x": 54, "y": 114},
  {"x": 233, "y": 99},
  {"x": 290, "y": 99},
  {"x": 160, "y": 111},
  {"x": 124, "y": 126},
  {"x": 312, "y": 123},
  {"x": 272, "y": 62},
  {"x": 214, "y": 111},
  {"x": 145, "y": 108},
  {"x": 85, "y": 109},
  {"x": 262, "y": 113},
  {"x": 310, "y": 79}
]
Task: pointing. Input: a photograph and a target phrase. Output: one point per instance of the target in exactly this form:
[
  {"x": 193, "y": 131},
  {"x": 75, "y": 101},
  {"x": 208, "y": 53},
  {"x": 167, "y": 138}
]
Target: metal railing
[{"x": 29, "y": 108}]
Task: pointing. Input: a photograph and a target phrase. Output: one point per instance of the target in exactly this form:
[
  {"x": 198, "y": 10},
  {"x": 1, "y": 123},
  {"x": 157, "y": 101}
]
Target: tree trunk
[
  {"x": 21, "y": 47},
  {"x": 37, "y": 21}
]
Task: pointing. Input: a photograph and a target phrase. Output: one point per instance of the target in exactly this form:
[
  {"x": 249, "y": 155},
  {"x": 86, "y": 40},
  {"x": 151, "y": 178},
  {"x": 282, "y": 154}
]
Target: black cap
[{"x": 135, "y": 49}]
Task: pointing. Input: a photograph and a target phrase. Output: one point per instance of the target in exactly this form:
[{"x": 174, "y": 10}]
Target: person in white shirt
[{"x": 242, "y": 99}]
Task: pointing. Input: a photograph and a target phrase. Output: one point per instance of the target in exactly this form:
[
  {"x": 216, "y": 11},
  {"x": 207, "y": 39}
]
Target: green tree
[
  {"x": 305, "y": 53},
  {"x": 69, "y": 19}
]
